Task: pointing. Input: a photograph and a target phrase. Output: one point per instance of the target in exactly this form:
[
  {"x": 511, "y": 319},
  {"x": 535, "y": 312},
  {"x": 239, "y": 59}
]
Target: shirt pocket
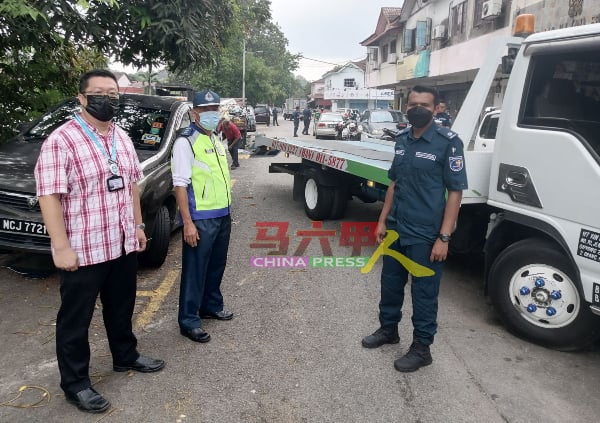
[{"x": 423, "y": 163}]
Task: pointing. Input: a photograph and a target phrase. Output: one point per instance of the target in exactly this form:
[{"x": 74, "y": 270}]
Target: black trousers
[{"x": 115, "y": 281}]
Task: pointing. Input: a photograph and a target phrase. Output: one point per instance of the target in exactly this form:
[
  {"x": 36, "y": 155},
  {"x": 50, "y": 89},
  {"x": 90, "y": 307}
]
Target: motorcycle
[
  {"x": 354, "y": 130},
  {"x": 341, "y": 131}
]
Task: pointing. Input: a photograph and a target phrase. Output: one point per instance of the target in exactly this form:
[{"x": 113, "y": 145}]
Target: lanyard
[{"x": 112, "y": 163}]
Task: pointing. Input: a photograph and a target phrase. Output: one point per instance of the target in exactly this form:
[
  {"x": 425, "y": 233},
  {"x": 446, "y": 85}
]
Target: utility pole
[{"x": 244, "y": 74}]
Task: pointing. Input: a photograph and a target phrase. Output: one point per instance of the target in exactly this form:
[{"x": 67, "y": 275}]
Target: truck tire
[
  {"x": 158, "y": 247},
  {"x": 523, "y": 284},
  {"x": 317, "y": 199},
  {"x": 339, "y": 203}
]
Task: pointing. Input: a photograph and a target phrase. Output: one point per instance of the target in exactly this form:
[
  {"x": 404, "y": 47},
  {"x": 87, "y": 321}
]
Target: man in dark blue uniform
[
  {"x": 306, "y": 115},
  {"x": 441, "y": 115},
  {"x": 296, "y": 118},
  {"x": 428, "y": 166}
]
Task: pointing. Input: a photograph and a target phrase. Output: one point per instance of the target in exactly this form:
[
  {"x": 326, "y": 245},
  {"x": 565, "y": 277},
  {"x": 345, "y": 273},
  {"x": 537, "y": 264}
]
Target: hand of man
[
  {"x": 190, "y": 234},
  {"x": 380, "y": 231},
  {"x": 439, "y": 252},
  {"x": 142, "y": 241},
  {"x": 65, "y": 259}
]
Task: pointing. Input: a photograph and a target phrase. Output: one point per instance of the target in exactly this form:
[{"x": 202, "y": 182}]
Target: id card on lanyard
[{"x": 115, "y": 182}]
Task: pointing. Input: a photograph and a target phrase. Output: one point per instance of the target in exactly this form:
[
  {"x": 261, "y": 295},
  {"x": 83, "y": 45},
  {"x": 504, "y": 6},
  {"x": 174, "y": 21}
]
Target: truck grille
[{"x": 20, "y": 201}]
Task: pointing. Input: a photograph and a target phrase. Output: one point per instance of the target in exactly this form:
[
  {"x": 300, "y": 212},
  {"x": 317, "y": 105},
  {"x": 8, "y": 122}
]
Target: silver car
[{"x": 325, "y": 126}]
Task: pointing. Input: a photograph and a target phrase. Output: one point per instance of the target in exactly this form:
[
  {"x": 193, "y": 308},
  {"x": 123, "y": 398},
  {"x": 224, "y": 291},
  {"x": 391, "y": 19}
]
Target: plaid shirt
[{"x": 96, "y": 220}]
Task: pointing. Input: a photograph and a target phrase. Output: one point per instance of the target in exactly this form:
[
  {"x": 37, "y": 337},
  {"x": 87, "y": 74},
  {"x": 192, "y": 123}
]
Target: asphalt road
[{"x": 292, "y": 353}]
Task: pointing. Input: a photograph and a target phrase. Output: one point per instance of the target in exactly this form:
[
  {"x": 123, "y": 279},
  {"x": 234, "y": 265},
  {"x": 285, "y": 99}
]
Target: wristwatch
[
  {"x": 445, "y": 237},
  {"x": 141, "y": 226}
]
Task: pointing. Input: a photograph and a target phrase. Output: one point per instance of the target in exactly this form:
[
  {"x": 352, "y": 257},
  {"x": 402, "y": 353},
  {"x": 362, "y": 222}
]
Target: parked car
[
  {"x": 152, "y": 122},
  {"x": 373, "y": 121},
  {"x": 326, "y": 125},
  {"x": 261, "y": 114}
]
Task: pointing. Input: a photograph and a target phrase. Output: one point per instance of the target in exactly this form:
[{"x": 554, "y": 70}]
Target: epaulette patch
[{"x": 446, "y": 133}]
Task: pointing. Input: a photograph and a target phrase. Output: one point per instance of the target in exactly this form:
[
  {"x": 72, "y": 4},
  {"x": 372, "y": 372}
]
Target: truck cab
[{"x": 543, "y": 252}]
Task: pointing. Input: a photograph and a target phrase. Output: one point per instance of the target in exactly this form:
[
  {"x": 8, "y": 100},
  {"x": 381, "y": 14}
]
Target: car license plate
[
  {"x": 331, "y": 125},
  {"x": 22, "y": 226}
]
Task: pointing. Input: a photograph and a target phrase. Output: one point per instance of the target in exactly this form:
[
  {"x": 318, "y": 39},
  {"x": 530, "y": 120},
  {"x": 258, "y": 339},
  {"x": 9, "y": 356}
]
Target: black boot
[
  {"x": 387, "y": 335},
  {"x": 418, "y": 355}
]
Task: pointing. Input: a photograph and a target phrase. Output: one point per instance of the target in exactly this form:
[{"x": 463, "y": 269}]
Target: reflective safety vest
[{"x": 209, "y": 194}]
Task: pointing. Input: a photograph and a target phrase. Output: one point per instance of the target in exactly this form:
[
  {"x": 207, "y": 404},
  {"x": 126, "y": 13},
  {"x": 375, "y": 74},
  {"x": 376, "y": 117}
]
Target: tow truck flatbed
[{"x": 372, "y": 159}]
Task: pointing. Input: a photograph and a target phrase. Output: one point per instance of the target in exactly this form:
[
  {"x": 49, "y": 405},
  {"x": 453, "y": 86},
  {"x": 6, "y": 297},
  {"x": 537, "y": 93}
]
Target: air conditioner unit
[
  {"x": 439, "y": 32},
  {"x": 491, "y": 9},
  {"x": 392, "y": 58}
]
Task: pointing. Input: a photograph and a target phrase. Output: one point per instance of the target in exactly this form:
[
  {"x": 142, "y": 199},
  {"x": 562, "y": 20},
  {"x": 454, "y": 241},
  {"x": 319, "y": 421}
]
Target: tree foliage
[
  {"x": 46, "y": 45},
  {"x": 269, "y": 66}
]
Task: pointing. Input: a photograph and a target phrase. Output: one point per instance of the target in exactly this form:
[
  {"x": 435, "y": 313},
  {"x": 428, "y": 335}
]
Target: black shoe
[
  {"x": 418, "y": 355},
  {"x": 387, "y": 335},
  {"x": 234, "y": 166},
  {"x": 219, "y": 315},
  {"x": 196, "y": 335},
  {"x": 143, "y": 365},
  {"x": 295, "y": 135},
  {"x": 88, "y": 400}
]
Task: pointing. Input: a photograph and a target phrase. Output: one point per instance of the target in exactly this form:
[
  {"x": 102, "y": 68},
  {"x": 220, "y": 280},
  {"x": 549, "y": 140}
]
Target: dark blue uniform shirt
[{"x": 423, "y": 169}]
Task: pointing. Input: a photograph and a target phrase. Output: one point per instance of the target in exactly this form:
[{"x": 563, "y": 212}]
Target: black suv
[
  {"x": 152, "y": 122},
  {"x": 261, "y": 114}
]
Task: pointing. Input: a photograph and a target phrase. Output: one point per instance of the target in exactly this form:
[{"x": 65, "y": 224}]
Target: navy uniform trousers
[
  {"x": 202, "y": 270},
  {"x": 424, "y": 290},
  {"x": 115, "y": 281}
]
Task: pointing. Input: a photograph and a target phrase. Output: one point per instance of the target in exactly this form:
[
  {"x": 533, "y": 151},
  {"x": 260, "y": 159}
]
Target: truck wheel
[
  {"x": 339, "y": 203},
  {"x": 158, "y": 247},
  {"x": 532, "y": 286},
  {"x": 317, "y": 199}
]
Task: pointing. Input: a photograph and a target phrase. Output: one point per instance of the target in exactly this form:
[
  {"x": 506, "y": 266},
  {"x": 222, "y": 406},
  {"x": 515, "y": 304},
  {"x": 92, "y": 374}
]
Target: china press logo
[{"x": 274, "y": 237}]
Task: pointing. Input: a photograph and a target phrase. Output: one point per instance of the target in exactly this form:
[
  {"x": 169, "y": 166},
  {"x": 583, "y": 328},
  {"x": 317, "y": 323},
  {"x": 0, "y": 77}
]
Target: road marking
[{"x": 157, "y": 297}]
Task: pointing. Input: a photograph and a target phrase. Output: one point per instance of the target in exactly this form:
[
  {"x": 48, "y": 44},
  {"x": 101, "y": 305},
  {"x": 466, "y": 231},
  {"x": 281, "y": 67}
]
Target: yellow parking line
[{"x": 157, "y": 297}]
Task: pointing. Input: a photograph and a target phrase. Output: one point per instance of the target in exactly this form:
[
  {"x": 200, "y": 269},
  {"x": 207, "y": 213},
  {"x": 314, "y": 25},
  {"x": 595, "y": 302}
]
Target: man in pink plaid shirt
[{"x": 86, "y": 178}]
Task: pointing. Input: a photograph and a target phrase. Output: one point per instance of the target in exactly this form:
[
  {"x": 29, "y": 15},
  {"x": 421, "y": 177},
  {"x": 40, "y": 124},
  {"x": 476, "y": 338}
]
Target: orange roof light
[{"x": 524, "y": 25}]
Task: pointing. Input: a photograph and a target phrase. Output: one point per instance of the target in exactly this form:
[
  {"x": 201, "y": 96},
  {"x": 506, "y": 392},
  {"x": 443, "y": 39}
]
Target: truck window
[
  {"x": 564, "y": 94},
  {"x": 489, "y": 127}
]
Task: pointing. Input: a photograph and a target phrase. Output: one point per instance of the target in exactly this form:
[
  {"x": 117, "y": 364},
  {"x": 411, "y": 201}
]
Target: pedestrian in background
[
  {"x": 203, "y": 195},
  {"x": 296, "y": 118},
  {"x": 429, "y": 162},
  {"x": 306, "y": 115},
  {"x": 275, "y": 112},
  {"x": 86, "y": 177},
  {"x": 233, "y": 136},
  {"x": 442, "y": 116}
]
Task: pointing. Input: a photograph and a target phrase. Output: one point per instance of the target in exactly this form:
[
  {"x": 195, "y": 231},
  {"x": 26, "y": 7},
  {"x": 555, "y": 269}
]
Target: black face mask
[
  {"x": 419, "y": 116},
  {"x": 102, "y": 107}
]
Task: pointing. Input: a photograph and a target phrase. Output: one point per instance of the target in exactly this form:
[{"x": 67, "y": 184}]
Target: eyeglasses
[{"x": 112, "y": 94}]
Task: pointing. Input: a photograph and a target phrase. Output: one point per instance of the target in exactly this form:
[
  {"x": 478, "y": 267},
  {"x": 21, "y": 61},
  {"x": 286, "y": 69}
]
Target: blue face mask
[{"x": 209, "y": 120}]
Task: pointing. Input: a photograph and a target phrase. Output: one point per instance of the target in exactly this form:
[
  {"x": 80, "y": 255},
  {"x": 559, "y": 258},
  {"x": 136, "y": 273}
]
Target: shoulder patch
[{"x": 446, "y": 133}]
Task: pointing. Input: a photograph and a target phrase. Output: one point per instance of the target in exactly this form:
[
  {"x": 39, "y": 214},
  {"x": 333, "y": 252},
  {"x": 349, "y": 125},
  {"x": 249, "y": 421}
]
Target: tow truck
[{"x": 533, "y": 203}]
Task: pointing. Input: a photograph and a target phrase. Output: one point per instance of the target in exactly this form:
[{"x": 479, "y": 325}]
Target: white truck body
[{"x": 533, "y": 202}]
